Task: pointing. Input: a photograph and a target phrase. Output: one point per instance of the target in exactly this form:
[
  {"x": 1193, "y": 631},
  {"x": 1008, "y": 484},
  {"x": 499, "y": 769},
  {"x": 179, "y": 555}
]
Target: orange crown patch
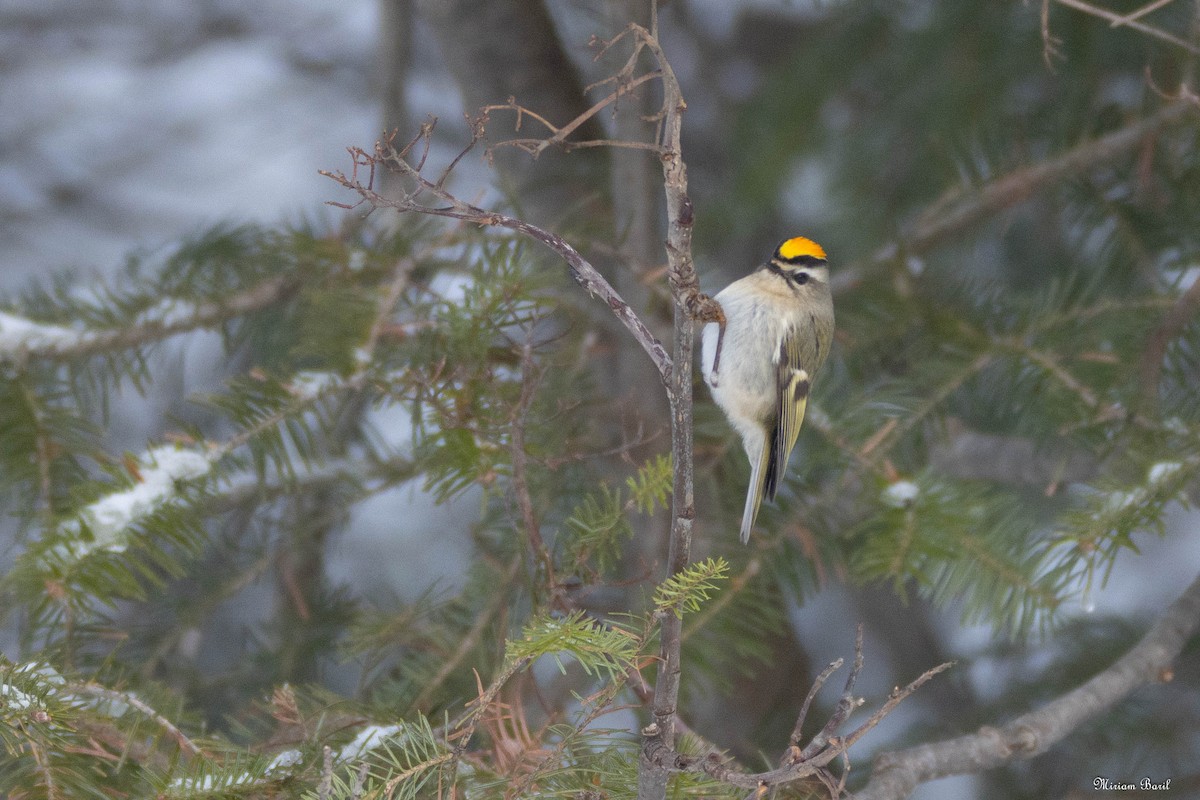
[{"x": 799, "y": 246}]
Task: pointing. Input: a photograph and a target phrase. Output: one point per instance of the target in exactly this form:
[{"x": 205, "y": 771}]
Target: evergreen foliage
[{"x": 181, "y": 637}]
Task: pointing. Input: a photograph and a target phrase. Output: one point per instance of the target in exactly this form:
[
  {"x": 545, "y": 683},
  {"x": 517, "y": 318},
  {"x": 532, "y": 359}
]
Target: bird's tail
[{"x": 754, "y": 492}]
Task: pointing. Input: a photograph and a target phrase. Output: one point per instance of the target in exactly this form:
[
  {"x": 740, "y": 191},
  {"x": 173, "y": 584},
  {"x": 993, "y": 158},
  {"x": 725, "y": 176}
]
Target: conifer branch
[
  {"x": 1014, "y": 460},
  {"x": 306, "y": 393},
  {"x": 22, "y": 339},
  {"x": 162, "y": 474},
  {"x": 42, "y": 451},
  {"x": 897, "y": 773},
  {"x": 42, "y": 759},
  {"x": 961, "y": 208},
  {"x": 931, "y": 403},
  {"x": 468, "y": 641}
]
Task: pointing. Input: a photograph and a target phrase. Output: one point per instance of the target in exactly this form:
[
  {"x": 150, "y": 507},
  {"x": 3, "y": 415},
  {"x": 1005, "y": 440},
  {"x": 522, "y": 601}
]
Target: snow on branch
[
  {"x": 22, "y": 338},
  {"x": 109, "y": 519}
]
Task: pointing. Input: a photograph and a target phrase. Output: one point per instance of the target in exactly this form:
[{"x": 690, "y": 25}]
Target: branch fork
[{"x": 797, "y": 763}]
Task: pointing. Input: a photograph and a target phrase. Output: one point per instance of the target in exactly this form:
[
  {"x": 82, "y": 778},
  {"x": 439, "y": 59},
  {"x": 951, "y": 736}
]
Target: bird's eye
[{"x": 800, "y": 278}]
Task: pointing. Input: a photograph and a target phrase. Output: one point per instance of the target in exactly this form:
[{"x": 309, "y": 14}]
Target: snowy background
[{"x": 126, "y": 124}]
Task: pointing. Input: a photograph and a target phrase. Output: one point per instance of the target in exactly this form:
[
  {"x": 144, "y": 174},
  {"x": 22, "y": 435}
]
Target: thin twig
[
  {"x": 713, "y": 765},
  {"x": 530, "y": 378},
  {"x": 1141, "y": 12},
  {"x": 798, "y": 730},
  {"x": 1141, "y": 27},
  {"x": 846, "y": 704},
  {"x": 558, "y": 136},
  {"x": 114, "y": 696},
  {"x": 1151, "y": 361},
  {"x": 1050, "y": 42}
]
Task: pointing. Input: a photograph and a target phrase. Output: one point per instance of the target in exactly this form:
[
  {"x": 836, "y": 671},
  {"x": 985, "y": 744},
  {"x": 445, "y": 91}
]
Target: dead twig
[
  {"x": 846, "y": 704},
  {"x": 559, "y": 136},
  {"x": 1141, "y": 12},
  {"x": 411, "y": 196},
  {"x": 1131, "y": 21},
  {"x": 794, "y": 752},
  {"x": 812, "y": 761}
]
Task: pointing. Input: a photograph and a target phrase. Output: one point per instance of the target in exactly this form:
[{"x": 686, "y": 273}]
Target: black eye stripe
[{"x": 800, "y": 278}]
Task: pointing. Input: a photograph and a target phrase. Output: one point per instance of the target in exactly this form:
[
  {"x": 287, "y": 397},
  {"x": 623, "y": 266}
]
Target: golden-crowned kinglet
[{"x": 761, "y": 362}]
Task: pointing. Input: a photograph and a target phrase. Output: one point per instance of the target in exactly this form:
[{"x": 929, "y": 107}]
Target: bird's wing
[{"x": 793, "y": 381}]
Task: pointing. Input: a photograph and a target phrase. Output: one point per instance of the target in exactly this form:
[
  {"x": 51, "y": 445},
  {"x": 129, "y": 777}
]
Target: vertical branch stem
[{"x": 660, "y": 737}]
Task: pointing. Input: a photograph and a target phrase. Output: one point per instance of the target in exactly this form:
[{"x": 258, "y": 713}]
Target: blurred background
[{"x": 126, "y": 126}]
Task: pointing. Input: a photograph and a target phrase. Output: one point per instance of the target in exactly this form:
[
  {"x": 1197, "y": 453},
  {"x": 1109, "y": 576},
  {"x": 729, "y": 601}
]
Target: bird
[{"x": 760, "y": 362}]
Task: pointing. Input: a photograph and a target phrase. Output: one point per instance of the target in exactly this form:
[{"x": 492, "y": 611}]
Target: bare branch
[
  {"x": 793, "y": 770},
  {"x": 1141, "y": 12},
  {"x": 659, "y": 737},
  {"x": 846, "y": 704},
  {"x": 558, "y": 136},
  {"x": 1131, "y": 21},
  {"x": 798, "y": 731},
  {"x": 896, "y": 774},
  {"x": 407, "y": 199}
]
